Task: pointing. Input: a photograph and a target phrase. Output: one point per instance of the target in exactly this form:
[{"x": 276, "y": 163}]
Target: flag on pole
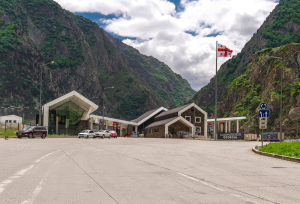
[{"x": 223, "y": 51}]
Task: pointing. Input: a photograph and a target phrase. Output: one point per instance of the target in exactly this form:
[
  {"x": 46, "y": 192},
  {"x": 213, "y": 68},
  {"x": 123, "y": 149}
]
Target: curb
[{"x": 277, "y": 156}]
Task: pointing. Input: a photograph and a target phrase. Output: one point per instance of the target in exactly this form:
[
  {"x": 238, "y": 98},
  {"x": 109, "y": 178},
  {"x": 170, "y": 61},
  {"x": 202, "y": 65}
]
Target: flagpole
[{"x": 216, "y": 93}]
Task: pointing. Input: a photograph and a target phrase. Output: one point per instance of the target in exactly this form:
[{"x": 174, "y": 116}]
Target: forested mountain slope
[{"x": 35, "y": 32}]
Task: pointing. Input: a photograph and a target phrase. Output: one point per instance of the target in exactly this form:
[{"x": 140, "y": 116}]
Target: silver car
[
  {"x": 103, "y": 134},
  {"x": 86, "y": 134}
]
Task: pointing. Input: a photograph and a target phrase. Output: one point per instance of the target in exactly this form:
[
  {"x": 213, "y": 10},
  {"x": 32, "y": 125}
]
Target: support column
[
  {"x": 90, "y": 123},
  {"x": 229, "y": 123},
  {"x": 56, "y": 124},
  {"x": 226, "y": 126},
  {"x": 136, "y": 129},
  {"x": 106, "y": 127},
  {"x": 121, "y": 132},
  {"x": 237, "y": 126}
]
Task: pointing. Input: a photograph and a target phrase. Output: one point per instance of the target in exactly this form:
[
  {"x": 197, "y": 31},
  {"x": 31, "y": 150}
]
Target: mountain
[
  {"x": 87, "y": 59},
  {"x": 261, "y": 83},
  {"x": 281, "y": 27}
]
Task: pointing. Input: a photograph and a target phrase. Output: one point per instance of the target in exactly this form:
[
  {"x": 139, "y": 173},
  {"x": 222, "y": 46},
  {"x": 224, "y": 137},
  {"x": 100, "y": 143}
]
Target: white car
[
  {"x": 103, "y": 134},
  {"x": 86, "y": 134}
]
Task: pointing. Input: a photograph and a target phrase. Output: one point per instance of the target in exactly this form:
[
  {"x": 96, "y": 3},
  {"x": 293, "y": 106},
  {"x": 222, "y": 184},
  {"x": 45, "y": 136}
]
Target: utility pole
[
  {"x": 103, "y": 104},
  {"x": 40, "y": 108}
]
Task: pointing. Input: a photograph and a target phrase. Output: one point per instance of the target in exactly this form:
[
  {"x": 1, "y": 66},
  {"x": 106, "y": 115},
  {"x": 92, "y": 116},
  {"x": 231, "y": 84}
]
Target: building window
[
  {"x": 198, "y": 119},
  {"x": 156, "y": 130},
  {"x": 151, "y": 131},
  {"x": 9, "y": 121},
  {"x": 6, "y": 121},
  {"x": 188, "y": 118},
  {"x": 198, "y": 129},
  {"x": 15, "y": 121}
]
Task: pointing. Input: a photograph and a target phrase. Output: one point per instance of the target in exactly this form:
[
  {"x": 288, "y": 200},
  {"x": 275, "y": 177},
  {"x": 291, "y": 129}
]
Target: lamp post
[
  {"x": 40, "y": 109},
  {"x": 248, "y": 116},
  {"x": 90, "y": 114},
  {"x": 103, "y": 105},
  {"x": 280, "y": 95}
]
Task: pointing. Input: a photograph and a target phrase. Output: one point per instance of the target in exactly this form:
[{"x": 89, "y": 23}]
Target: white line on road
[
  {"x": 245, "y": 199},
  {"x": 35, "y": 193},
  {"x": 207, "y": 184},
  {"x": 46, "y": 156},
  {"x": 219, "y": 189},
  {"x": 20, "y": 173}
]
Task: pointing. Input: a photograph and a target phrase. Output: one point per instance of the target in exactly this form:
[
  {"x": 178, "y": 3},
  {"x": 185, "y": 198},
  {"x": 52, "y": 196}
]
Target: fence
[
  {"x": 62, "y": 130},
  {"x": 14, "y": 126}
]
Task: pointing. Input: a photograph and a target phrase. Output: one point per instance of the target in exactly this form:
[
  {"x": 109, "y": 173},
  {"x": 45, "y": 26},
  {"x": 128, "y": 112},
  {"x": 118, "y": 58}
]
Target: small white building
[{"x": 10, "y": 119}]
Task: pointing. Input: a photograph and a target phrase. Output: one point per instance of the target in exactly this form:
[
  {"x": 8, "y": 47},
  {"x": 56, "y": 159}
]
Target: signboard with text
[{"x": 230, "y": 136}]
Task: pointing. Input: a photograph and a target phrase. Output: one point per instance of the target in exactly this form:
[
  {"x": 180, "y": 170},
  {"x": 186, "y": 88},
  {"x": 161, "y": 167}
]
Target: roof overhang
[
  {"x": 114, "y": 120},
  {"x": 74, "y": 97},
  {"x": 192, "y": 105},
  {"x": 225, "y": 119},
  {"x": 152, "y": 114}
]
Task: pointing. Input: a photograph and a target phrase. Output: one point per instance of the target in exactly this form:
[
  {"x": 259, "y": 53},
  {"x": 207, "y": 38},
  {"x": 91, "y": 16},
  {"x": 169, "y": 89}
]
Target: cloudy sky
[{"x": 181, "y": 33}]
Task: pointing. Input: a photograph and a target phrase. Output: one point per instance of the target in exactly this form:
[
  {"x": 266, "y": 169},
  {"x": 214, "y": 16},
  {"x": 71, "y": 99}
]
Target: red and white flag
[{"x": 223, "y": 51}]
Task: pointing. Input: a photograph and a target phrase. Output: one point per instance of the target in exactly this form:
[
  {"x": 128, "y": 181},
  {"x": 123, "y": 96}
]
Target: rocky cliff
[
  {"x": 261, "y": 83},
  {"x": 281, "y": 27},
  {"x": 87, "y": 59}
]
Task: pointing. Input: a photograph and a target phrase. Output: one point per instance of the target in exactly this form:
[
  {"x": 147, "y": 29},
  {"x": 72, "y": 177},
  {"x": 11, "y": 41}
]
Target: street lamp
[
  {"x": 40, "y": 109},
  {"x": 248, "y": 115},
  {"x": 280, "y": 95},
  {"x": 103, "y": 105}
]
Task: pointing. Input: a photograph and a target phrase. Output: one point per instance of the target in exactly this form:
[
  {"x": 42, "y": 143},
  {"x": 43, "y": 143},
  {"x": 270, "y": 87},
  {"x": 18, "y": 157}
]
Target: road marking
[
  {"x": 207, "y": 184},
  {"x": 46, "y": 156},
  {"x": 20, "y": 173},
  {"x": 35, "y": 193},
  {"x": 245, "y": 199}
]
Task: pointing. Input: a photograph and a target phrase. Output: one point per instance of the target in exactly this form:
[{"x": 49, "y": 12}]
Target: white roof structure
[
  {"x": 224, "y": 119},
  {"x": 74, "y": 97},
  {"x": 115, "y": 120}
]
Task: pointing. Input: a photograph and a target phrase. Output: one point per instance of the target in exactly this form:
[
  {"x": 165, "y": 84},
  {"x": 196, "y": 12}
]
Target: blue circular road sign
[{"x": 263, "y": 106}]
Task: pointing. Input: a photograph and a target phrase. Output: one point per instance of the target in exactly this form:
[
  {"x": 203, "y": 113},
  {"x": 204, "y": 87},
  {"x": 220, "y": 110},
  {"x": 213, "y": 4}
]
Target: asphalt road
[{"x": 136, "y": 170}]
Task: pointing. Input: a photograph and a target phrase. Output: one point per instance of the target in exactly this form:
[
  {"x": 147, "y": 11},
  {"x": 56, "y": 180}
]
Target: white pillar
[
  {"x": 229, "y": 123},
  {"x": 106, "y": 124},
  {"x": 226, "y": 125},
  {"x": 237, "y": 126},
  {"x": 136, "y": 129}
]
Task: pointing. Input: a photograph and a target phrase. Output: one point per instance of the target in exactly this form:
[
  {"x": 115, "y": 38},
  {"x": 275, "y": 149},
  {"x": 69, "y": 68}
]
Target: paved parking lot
[{"x": 136, "y": 170}]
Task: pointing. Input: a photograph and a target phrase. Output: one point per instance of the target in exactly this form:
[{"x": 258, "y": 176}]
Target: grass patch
[
  {"x": 9, "y": 132},
  {"x": 291, "y": 149}
]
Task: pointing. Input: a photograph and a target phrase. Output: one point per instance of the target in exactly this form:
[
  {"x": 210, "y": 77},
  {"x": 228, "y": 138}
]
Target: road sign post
[{"x": 263, "y": 119}]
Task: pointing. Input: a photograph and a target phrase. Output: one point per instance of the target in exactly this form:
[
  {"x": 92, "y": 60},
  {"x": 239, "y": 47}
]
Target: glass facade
[{"x": 68, "y": 115}]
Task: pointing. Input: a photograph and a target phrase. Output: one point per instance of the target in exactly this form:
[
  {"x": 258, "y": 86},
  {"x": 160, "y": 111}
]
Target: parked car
[
  {"x": 32, "y": 132},
  {"x": 86, "y": 134},
  {"x": 113, "y": 134},
  {"x": 103, "y": 134}
]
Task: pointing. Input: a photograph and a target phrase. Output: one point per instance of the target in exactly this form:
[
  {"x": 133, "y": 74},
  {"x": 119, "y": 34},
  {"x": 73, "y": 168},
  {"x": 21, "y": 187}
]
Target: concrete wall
[{"x": 12, "y": 118}]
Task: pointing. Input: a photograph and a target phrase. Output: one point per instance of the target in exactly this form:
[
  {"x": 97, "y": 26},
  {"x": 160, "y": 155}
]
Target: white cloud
[{"x": 161, "y": 31}]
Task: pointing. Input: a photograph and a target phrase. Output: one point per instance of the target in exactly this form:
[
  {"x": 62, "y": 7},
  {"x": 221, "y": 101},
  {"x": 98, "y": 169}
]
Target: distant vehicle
[
  {"x": 32, "y": 132},
  {"x": 113, "y": 134},
  {"x": 103, "y": 134},
  {"x": 86, "y": 134}
]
